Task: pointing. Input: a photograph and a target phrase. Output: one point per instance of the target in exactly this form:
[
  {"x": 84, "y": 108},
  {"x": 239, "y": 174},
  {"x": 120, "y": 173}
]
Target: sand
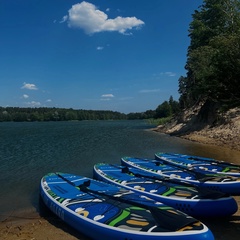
[
  {"x": 38, "y": 229},
  {"x": 35, "y": 227}
]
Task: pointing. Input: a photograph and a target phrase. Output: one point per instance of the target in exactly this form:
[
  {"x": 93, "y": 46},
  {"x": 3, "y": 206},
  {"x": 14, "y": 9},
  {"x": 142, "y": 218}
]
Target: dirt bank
[{"x": 224, "y": 132}]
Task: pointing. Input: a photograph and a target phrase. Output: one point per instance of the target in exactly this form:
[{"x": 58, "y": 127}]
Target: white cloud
[
  {"x": 107, "y": 95},
  {"x": 33, "y": 104},
  {"x": 86, "y": 16},
  {"x": 170, "y": 74},
  {"x": 29, "y": 86},
  {"x": 149, "y": 90},
  {"x": 64, "y": 19},
  {"x": 100, "y": 48},
  {"x": 49, "y": 100},
  {"x": 25, "y": 96}
]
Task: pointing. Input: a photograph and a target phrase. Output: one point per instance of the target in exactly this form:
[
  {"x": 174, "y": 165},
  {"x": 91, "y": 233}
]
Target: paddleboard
[
  {"x": 194, "y": 201},
  {"x": 105, "y": 212},
  {"x": 222, "y": 183},
  {"x": 201, "y": 164}
]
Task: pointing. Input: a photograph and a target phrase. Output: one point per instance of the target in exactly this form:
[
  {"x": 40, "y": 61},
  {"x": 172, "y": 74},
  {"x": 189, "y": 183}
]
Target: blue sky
[{"x": 120, "y": 55}]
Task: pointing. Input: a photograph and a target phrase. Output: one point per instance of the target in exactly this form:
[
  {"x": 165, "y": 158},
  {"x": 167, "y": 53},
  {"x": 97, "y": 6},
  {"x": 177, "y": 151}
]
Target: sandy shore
[
  {"x": 52, "y": 228},
  {"x": 38, "y": 229}
]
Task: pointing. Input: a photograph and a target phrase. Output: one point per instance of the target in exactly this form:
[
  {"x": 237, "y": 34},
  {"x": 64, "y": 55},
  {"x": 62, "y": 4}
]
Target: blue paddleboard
[
  {"x": 222, "y": 183},
  {"x": 105, "y": 212},
  {"x": 201, "y": 164},
  {"x": 190, "y": 199}
]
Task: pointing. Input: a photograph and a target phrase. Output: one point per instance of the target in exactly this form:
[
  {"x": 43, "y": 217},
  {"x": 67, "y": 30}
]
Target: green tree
[
  {"x": 163, "y": 110},
  {"x": 213, "y": 63},
  {"x": 174, "y": 105}
]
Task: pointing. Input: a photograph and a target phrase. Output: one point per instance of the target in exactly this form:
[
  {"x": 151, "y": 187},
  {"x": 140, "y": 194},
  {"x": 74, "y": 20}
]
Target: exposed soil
[{"x": 221, "y": 131}]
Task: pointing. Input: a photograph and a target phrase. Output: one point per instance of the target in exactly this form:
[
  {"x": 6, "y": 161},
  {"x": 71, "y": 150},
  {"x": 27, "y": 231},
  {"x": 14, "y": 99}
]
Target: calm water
[{"x": 30, "y": 150}]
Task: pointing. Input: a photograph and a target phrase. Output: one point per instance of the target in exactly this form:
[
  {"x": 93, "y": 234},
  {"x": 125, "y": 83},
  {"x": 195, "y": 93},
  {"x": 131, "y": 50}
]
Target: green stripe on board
[
  {"x": 120, "y": 218},
  {"x": 226, "y": 169},
  {"x": 165, "y": 208},
  {"x": 170, "y": 191}
]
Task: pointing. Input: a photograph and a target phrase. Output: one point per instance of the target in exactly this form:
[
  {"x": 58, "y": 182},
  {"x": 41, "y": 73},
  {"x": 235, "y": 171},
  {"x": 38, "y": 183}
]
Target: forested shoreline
[
  {"x": 209, "y": 100},
  {"x": 17, "y": 114}
]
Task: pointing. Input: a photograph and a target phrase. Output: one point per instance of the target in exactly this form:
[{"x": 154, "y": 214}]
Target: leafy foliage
[
  {"x": 167, "y": 108},
  {"x": 213, "y": 64}
]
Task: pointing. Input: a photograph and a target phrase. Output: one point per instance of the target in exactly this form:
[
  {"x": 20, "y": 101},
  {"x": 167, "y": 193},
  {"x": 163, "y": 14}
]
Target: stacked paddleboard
[
  {"x": 154, "y": 199},
  {"x": 208, "y": 180},
  {"x": 200, "y": 164},
  {"x": 187, "y": 198}
]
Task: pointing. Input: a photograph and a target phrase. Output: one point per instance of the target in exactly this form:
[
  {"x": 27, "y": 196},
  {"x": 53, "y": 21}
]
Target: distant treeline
[{"x": 18, "y": 114}]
